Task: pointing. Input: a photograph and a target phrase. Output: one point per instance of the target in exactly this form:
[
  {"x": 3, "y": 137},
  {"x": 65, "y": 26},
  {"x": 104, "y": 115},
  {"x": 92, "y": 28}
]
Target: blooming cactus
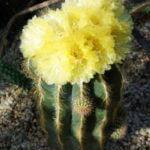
[{"x": 70, "y": 51}]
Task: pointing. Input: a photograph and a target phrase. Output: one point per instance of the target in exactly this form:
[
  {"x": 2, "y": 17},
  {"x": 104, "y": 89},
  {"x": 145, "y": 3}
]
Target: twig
[
  {"x": 139, "y": 6},
  {"x": 3, "y": 40}
]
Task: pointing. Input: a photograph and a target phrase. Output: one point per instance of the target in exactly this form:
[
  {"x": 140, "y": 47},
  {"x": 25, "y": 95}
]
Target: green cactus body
[{"x": 82, "y": 116}]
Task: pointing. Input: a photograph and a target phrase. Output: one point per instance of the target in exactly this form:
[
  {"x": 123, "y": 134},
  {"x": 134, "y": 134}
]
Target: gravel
[{"x": 19, "y": 128}]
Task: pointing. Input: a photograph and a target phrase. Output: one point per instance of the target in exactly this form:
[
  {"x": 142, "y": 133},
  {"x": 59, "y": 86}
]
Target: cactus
[{"x": 72, "y": 54}]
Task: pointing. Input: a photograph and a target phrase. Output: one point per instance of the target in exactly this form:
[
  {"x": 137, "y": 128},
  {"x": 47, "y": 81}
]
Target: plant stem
[{"x": 138, "y": 7}]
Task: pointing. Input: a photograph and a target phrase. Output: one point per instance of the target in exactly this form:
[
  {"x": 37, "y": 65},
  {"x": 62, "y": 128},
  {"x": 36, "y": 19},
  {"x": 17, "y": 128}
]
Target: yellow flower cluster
[{"x": 73, "y": 43}]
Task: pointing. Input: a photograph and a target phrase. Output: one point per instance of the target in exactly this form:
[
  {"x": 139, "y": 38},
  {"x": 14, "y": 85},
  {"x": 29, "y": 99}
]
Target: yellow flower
[{"x": 75, "y": 42}]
